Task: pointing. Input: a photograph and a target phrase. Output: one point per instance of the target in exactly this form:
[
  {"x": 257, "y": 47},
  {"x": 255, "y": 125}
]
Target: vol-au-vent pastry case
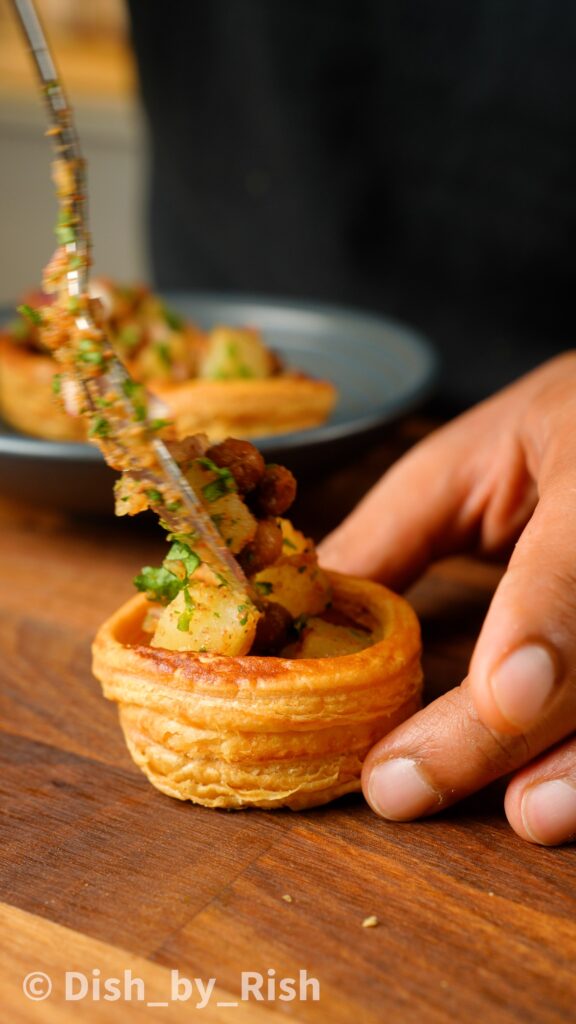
[{"x": 271, "y": 700}]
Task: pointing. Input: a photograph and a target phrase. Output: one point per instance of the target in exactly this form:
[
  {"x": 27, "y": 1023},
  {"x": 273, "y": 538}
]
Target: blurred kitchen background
[{"x": 94, "y": 58}]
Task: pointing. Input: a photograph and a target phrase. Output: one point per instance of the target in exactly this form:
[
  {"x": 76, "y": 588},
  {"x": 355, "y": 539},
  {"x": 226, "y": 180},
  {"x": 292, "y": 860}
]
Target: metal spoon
[{"x": 164, "y": 470}]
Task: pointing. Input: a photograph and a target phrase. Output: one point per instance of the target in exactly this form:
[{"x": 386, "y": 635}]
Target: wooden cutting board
[{"x": 101, "y": 873}]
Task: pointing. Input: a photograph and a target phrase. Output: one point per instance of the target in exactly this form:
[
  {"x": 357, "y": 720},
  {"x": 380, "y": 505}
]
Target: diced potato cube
[
  {"x": 234, "y": 521},
  {"x": 320, "y": 639},
  {"x": 214, "y": 619},
  {"x": 292, "y": 540},
  {"x": 235, "y": 353},
  {"x": 297, "y": 583}
]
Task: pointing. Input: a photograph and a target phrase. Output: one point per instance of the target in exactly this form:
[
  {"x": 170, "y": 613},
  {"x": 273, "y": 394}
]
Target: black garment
[{"x": 412, "y": 156}]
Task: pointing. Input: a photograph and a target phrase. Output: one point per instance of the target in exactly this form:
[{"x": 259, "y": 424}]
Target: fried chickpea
[
  {"x": 275, "y": 492},
  {"x": 273, "y": 629},
  {"x": 264, "y": 549},
  {"x": 242, "y": 459}
]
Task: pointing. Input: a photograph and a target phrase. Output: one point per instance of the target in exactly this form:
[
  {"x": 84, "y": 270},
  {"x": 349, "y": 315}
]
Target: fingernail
[
  {"x": 549, "y": 812},
  {"x": 397, "y": 790},
  {"x": 522, "y": 684}
]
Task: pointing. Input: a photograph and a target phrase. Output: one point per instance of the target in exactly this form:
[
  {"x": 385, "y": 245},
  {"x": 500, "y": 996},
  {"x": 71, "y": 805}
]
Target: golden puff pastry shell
[
  {"x": 27, "y": 400},
  {"x": 261, "y": 731},
  {"x": 272, "y": 405},
  {"x": 248, "y": 408}
]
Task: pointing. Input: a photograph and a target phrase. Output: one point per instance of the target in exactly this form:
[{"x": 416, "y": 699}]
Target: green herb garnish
[
  {"x": 158, "y": 584},
  {"x": 90, "y": 358},
  {"x": 130, "y": 336},
  {"x": 175, "y": 322},
  {"x": 88, "y": 354},
  {"x": 263, "y": 587},
  {"x": 183, "y": 623},
  {"x": 99, "y": 427},
  {"x": 31, "y": 314},
  {"x": 162, "y": 350},
  {"x": 154, "y": 495},
  {"x": 243, "y": 613},
  {"x": 65, "y": 234},
  {"x": 180, "y": 552},
  {"x": 135, "y": 393},
  {"x": 223, "y": 484}
]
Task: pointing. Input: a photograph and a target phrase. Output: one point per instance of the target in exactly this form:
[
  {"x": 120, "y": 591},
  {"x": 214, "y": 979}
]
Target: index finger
[{"x": 466, "y": 485}]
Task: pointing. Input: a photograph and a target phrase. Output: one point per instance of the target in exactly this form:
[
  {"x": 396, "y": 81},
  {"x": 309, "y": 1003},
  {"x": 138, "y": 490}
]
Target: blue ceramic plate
[{"x": 381, "y": 369}]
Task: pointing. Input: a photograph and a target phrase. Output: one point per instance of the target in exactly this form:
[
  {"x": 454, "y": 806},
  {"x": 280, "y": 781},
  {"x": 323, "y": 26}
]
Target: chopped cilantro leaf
[
  {"x": 88, "y": 354},
  {"x": 154, "y": 495},
  {"x": 287, "y": 543},
  {"x": 263, "y": 587},
  {"x": 180, "y": 552},
  {"x": 56, "y": 383},
  {"x": 135, "y": 393},
  {"x": 207, "y": 463},
  {"x": 99, "y": 427},
  {"x": 183, "y": 623},
  {"x": 175, "y": 322},
  {"x": 223, "y": 484},
  {"x": 162, "y": 350},
  {"x": 215, "y": 489},
  {"x": 158, "y": 584},
  {"x": 65, "y": 234},
  {"x": 31, "y": 314},
  {"x": 243, "y": 614},
  {"x": 129, "y": 337},
  {"x": 130, "y": 387}
]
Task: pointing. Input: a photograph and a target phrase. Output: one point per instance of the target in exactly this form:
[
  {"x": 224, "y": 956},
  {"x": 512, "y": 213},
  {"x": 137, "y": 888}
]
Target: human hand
[{"x": 503, "y": 472}]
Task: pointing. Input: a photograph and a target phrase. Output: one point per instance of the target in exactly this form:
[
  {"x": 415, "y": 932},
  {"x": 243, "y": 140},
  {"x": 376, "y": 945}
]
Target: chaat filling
[{"x": 289, "y": 611}]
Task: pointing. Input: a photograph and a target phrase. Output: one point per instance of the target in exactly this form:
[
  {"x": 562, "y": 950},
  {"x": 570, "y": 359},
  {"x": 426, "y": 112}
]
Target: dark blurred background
[
  {"x": 416, "y": 157},
  {"x": 407, "y": 156}
]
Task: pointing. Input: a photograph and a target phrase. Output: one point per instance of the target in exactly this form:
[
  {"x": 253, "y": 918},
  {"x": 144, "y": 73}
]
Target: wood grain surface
[{"x": 101, "y": 873}]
